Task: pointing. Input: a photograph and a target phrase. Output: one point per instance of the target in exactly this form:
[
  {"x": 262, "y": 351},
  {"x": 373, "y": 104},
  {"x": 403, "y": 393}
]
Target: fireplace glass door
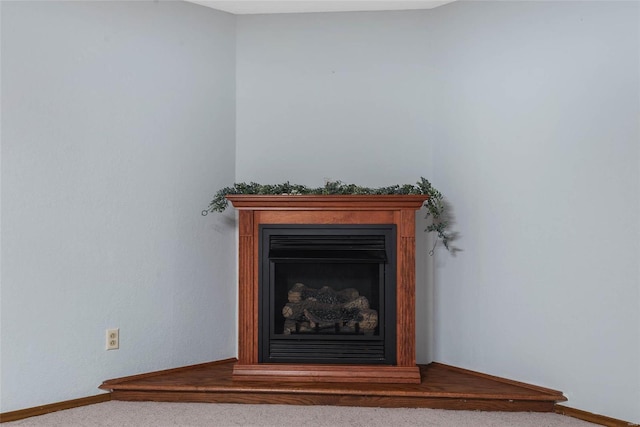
[{"x": 327, "y": 294}]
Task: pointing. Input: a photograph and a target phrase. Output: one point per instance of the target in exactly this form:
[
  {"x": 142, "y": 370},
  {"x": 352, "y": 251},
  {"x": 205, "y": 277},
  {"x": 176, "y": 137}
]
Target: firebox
[{"x": 327, "y": 293}]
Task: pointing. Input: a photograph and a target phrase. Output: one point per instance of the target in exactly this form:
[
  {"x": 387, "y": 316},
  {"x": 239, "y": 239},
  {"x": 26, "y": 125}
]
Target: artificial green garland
[{"x": 434, "y": 204}]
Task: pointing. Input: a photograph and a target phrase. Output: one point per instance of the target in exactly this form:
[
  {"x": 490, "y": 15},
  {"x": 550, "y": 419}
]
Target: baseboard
[
  {"x": 592, "y": 418},
  {"x": 105, "y": 397},
  {"x": 53, "y": 407}
]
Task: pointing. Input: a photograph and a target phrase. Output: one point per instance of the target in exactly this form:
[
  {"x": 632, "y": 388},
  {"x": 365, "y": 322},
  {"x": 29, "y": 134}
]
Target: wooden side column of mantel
[
  {"x": 385, "y": 209},
  {"x": 248, "y": 291},
  {"x": 406, "y": 286}
]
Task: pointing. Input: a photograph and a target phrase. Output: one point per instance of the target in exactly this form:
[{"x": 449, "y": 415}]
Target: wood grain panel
[
  {"x": 327, "y": 373},
  {"x": 437, "y": 380},
  {"x": 245, "y": 223},
  {"x": 333, "y": 202},
  {"x": 407, "y": 225},
  {"x": 247, "y": 291},
  {"x": 339, "y": 400},
  {"x": 325, "y": 217},
  {"x": 406, "y": 312},
  {"x": 218, "y": 369},
  {"x": 386, "y": 209},
  {"x": 441, "y": 386}
]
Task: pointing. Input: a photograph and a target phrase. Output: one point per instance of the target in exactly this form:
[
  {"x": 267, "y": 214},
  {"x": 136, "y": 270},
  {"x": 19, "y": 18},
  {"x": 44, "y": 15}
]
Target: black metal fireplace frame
[{"x": 328, "y": 349}]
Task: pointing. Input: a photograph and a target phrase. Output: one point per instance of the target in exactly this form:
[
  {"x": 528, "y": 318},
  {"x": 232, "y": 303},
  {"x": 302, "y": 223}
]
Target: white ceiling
[{"x": 240, "y": 7}]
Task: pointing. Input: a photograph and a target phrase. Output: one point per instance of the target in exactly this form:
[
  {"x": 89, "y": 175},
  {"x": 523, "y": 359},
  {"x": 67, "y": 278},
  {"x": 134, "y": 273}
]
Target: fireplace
[
  {"x": 326, "y": 288},
  {"x": 327, "y": 294}
]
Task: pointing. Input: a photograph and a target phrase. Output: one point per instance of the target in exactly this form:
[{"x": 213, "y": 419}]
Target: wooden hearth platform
[{"x": 441, "y": 387}]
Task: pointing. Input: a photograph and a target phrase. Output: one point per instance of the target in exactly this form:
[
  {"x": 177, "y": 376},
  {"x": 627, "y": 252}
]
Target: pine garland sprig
[{"x": 435, "y": 206}]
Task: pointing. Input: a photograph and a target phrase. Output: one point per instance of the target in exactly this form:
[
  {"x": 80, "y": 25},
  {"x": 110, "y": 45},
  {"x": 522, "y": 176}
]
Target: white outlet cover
[{"x": 113, "y": 339}]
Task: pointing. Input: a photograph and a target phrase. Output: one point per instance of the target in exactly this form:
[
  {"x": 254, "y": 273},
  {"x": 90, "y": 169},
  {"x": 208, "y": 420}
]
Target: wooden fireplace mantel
[
  {"x": 338, "y": 202},
  {"x": 326, "y": 209}
]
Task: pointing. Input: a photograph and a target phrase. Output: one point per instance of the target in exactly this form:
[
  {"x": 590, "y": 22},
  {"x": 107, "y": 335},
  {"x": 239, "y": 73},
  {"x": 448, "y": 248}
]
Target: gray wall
[
  {"x": 539, "y": 153},
  {"x": 117, "y": 128},
  {"x": 118, "y": 125},
  {"x": 333, "y": 95},
  {"x": 526, "y": 116}
]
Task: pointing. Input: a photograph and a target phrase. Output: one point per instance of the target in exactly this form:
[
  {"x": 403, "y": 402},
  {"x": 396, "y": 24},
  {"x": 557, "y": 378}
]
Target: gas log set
[{"x": 325, "y": 310}]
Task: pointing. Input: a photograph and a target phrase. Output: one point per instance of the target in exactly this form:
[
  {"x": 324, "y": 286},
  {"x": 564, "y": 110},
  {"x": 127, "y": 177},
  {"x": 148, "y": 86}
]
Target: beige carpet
[{"x": 141, "y": 414}]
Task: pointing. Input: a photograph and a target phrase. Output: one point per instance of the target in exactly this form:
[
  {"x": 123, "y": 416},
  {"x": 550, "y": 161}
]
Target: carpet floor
[{"x": 141, "y": 414}]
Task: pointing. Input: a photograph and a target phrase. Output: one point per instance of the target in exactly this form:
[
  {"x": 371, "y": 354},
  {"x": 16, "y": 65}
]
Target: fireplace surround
[
  {"x": 329, "y": 220},
  {"x": 326, "y": 293}
]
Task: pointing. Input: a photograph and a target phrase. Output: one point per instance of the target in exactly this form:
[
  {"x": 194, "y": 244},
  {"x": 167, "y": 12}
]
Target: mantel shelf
[{"x": 337, "y": 202}]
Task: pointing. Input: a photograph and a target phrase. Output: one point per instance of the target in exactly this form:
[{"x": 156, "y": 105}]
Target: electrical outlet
[{"x": 113, "y": 339}]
